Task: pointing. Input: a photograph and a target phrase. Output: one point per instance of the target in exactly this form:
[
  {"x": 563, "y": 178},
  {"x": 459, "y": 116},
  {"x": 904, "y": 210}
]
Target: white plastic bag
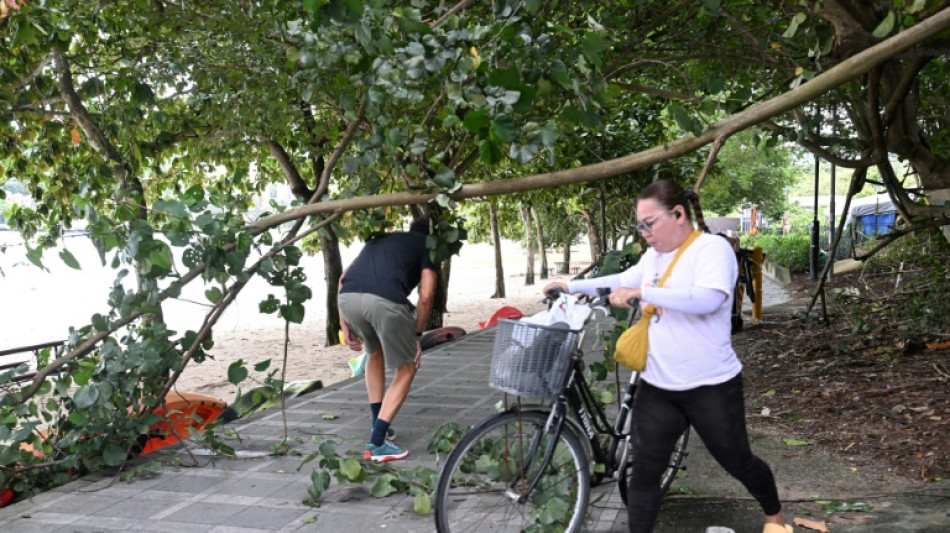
[{"x": 566, "y": 310}]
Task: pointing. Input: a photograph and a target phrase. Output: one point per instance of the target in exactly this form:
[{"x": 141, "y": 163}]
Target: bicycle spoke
[{"x": 491, "y": 472}]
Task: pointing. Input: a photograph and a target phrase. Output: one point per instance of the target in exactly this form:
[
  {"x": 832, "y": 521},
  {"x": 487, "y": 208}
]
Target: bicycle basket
[{"x": 531, "y": 360}]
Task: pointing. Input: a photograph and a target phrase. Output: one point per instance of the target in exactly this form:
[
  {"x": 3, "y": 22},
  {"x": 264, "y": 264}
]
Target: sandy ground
[
  {"x": 39, "y": 306},
  {"x": 471, "y": 285}
]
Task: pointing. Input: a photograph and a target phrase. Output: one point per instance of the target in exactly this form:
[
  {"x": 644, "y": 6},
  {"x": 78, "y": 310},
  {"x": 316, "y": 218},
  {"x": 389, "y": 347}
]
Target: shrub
[{"x": 790, "y": 251}]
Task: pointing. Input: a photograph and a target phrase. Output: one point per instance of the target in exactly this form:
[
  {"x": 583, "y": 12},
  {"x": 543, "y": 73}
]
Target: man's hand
[
  {"x": 350, "y": 338},
  {"x": 418, "y": 360}
]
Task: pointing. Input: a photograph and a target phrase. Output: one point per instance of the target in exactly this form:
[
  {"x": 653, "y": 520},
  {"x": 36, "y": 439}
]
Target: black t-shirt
[{"x": 389, "y": 266}]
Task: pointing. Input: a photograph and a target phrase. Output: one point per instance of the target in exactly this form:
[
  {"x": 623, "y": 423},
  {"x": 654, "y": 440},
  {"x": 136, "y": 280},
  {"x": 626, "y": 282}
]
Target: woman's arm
[{"x": 695, "y": 300}]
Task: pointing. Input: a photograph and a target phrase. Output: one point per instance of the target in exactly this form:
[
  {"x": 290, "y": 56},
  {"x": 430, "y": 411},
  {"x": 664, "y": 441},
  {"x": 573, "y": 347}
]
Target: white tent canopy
[{"x": 871, "y": 205}]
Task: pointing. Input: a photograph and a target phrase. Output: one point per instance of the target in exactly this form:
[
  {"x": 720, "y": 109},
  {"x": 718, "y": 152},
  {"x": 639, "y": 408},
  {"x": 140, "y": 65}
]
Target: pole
[
  {"x": 813, "y": 258},
  {"x": 831, "y": 226}
]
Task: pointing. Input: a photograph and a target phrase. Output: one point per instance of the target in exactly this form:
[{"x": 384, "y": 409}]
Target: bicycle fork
[{"x": 552, "y": 427}]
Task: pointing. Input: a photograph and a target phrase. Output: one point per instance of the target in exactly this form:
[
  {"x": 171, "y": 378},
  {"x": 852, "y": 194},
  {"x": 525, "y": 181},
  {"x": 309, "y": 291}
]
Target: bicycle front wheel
[{"x": 485, "y": 482}]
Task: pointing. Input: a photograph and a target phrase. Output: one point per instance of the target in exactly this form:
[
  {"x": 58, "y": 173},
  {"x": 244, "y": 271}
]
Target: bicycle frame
[{"x": 592, "y": 419}]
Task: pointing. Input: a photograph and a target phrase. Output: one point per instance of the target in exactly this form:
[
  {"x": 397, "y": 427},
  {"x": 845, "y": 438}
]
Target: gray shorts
[{"x": 381, "y": 323}]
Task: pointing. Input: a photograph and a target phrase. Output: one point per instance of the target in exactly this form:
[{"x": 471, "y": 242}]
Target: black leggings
[{"x": 717, "y": 414}]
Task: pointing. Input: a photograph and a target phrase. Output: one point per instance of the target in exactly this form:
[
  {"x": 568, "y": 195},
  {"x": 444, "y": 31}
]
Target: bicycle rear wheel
[
  {"x": 482, "y": 485},
  {"x": 666, "y": 480}
]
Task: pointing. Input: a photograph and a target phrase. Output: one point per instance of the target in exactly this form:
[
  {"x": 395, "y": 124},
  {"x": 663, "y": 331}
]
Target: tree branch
[
  {"x": 756, "y": 114},
  {"x": 297, "y": 184},
  {"x": 455, "y": 9}
]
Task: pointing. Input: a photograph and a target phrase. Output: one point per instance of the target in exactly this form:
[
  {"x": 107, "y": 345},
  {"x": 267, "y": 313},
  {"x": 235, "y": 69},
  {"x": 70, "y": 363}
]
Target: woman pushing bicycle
[{"x": 692, "y": 374}]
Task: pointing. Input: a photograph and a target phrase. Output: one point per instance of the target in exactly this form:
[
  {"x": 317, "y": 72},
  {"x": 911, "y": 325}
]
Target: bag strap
[
  {"x": 689, "y": 240},
  {"x": 650, "y": 308}
]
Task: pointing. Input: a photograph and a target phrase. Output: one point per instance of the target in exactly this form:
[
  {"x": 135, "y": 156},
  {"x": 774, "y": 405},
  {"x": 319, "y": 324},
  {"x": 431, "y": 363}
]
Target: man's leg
[
  {"x": 398, "y": 391},
  {"x": 379, "y": 449},
  {"x": 375, "y": 376}
]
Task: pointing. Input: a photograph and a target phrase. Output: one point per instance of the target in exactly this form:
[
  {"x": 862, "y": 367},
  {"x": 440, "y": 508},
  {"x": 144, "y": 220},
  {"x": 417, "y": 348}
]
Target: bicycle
[{"x": 531, "y": 467}]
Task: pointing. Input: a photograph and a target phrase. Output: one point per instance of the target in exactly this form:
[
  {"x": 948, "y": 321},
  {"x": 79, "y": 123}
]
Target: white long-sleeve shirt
[{"x": 690, "y": 343}]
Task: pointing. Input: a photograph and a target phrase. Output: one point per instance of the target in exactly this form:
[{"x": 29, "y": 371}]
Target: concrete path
[{"x": 259, "y": 492}]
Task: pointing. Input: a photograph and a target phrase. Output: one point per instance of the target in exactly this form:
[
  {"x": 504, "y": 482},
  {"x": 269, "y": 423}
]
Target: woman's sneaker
[{"x": 388, "y": 451}]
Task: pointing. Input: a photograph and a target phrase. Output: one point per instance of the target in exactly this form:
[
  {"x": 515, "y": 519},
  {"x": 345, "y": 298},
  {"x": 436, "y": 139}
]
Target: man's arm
[
  {"x": 349, "y": 338},
  {"x": 427, "y": 286}
]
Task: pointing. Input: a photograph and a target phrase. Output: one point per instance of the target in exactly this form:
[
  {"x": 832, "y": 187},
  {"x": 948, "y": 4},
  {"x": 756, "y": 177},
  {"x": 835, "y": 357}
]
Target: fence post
[{"x": 757, "y": 258}]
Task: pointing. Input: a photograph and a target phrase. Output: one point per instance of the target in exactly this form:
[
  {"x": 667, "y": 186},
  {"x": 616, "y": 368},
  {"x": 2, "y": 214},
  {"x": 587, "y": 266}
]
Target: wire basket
[{"x": 531, "y": 360}]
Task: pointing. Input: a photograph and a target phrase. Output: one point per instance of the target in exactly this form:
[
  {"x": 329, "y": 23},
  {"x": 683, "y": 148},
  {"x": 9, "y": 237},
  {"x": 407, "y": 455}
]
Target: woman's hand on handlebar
[
  {"x": 623, "y": 296},
  {"x": 554, "y": 289}
]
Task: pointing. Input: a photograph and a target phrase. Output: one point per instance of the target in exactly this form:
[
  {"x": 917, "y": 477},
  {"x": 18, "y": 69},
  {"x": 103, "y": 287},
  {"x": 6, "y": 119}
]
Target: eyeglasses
[{"x": 647, "y": 224}]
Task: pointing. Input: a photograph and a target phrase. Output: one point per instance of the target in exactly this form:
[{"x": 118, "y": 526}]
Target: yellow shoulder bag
[{"x": 632, "y": 346}]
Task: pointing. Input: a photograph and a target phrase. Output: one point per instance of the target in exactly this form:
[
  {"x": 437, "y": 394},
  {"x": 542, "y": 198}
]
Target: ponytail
[{"x": 693, "y": 198}]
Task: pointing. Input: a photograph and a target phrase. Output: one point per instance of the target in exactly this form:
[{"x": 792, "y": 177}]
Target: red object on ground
[
  {"x": 181, "y": 410},
  {"x": 507, "y": 311},
  {"x": 437, "y": 336},
  {"x": 184, "y": 410},
  {"x": 5, "y": 496}
]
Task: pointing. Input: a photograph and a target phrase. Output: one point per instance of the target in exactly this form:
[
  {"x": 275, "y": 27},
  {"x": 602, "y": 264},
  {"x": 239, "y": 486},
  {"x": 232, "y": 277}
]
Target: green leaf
[
  {"x": 319, "y": 482},
  {"x": 445, "y": 179},
  {"x": 769, "y": 393},
  {"x": 114, "y": 455},
  {"x": 503, "y": 128},
  {"x": 330, "y": 416},
  {"x": 796, "y": 442},
  {"x": 79, "y": 418},
  {"x": 421, "y": 504},
  {"x": 593, "y": 45},
  {"x": 237, "y": 372},
  {"x": 476, "y": 120},
  {"x": 293, "y": 312},
  {"x": 549, "y": 134},
  {"x": 384, "y": 486},
  {"x": 213, "y": 294},
  {"x": 489, "y": 152},
  {"x": 270, "y": 305},
  {"x": 36, "y": 257},
  {"x": 794, "y": 24},
  {"x": 351, "y": 468},
  {"x": 173, "y": 208},
  {"x": 160, "y": 259},
  {"x": 262, "y": 366},
  {"x": 886, "y": 26},
  {"x": 86, "y": 396},
  {"x": 69, "y": 259}
]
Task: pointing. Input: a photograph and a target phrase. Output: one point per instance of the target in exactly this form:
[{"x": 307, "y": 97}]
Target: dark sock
[
  {"x": 379, "y": 432},
  {"x": 374, "y": 411}
]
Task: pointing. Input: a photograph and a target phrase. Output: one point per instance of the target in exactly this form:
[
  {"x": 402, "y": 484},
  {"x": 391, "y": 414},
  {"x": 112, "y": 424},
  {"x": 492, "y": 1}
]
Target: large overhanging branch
[{"x": 840, "y": 74}]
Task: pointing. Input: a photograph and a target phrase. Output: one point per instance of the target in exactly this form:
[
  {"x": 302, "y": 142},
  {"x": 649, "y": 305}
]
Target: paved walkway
[{"x": 258, "y": 492}]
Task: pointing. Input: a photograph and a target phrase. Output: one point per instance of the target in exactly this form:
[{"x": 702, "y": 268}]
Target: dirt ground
[{"x": 869, "y": 390}]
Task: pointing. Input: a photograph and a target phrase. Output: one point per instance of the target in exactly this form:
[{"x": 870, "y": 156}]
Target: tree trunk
[
  {"x": 496, "y": 243},
  {"x": 333, "y": 270},
  {"x": 440, "y": 300},
  {"x": 541, "y": 249},
  {"x": 595, "y": 245},
  {"x": 567, "y": 257},
  {"x": 529, "y": 242}
]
